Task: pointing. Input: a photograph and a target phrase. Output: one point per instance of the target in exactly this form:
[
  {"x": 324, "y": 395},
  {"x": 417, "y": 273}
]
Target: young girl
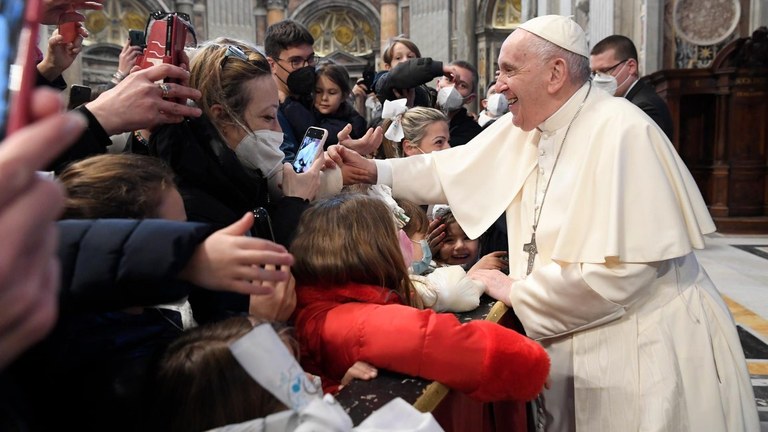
[
  {"x": 331, "y": 109},
  {"x": 458, "y": 249},
  {"x": 424, "y": 130},
  {"x": 356, "y": 303}
]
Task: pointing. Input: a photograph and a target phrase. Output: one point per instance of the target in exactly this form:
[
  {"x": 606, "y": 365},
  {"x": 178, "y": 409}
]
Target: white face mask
[
  {"x": 497, "y": 105},
  {"x": 260, "y": 150},
  {"x": 449, "y": 99},
  {"x": 606, "y": 82}
]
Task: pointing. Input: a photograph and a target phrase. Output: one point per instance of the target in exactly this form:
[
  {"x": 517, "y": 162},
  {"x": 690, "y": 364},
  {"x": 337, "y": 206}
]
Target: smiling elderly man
[{"x": 603, "y": 219}]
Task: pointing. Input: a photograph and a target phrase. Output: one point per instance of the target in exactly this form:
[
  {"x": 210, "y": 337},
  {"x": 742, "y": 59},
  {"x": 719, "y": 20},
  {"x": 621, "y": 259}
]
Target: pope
[{"x": 603, "y": 218}]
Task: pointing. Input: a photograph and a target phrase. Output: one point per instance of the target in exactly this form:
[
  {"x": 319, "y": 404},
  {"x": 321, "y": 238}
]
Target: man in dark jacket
[
  {"x": 458, "y": 75},
  {"x": 616, "y": 58}
]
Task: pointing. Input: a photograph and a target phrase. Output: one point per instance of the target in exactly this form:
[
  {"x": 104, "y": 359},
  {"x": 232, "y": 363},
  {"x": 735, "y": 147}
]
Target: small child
[
  {"x": 456, "y": 248},
  {"x": 356, "y": 302},
  {"x": 443, "y": 289}
]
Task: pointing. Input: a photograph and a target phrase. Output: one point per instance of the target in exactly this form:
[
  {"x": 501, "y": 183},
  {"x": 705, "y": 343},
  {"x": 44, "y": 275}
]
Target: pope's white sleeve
[
  {"x": 556, "y": 299},
  {"x": 383, "y": 172},
  {"x": 413, "y": 178}
]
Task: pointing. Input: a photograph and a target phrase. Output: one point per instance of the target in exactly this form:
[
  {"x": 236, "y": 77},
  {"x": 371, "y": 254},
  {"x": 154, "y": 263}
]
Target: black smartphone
[
  {"x": 262, "y": 224},
  {"x": 136, "y": 38},
  {"x": 19, "y": 31},
  {"x": 311, "y": 146},
  {"x": 368, "y": 75},
  {"x": 78, "y": 95}
]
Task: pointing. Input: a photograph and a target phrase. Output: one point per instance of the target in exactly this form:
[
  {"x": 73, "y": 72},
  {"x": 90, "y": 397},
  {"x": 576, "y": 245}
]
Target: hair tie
[{"x": 394, "y": 110}]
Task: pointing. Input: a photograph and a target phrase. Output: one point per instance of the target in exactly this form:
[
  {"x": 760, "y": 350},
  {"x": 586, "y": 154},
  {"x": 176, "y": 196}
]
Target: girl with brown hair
[{"x": 356, "y": 303}]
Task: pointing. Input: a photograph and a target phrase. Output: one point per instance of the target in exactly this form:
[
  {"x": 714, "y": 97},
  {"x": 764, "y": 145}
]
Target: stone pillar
[
  {"x": 600, "y": 21},
  {"x": 275, "y": 11},
  {"x": 466, "y": 46},
  {"x": 260, "y": 14},
  {"x": 185, "y": 6},
  {"x": 388, "y": 22},
  {"x": 654, "y": 38}
]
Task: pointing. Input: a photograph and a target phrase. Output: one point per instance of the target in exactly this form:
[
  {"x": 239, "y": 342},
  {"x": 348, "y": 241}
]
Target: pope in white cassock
[{"x": 603, "y": 218}]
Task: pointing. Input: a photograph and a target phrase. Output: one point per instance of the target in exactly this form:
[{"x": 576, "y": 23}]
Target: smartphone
[
  {"x": 78, "y": 95},
  {"x": 19, "y": 30},
  {"x": 262, "y": 224},
  {"x": 136, "y": 38},
  {"x": 311, "y": 146}
]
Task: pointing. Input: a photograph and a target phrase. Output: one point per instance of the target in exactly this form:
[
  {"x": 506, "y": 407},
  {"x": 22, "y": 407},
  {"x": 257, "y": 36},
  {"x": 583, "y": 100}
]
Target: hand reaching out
[
  {"x": 60, "y": 54},
  {"x": 435, "y": 235},
  {"x": 127, "y": 59},
  {"x": 354, "y": 167},
  {"x": 492, "y": 261},
  {"x": 304, "y": 185},
  {"x": 56, "y": 11},
  {"x": 365, "y": 145},
  {"x": 230, "y": 261},
  {"x": 280, "y": 303},
  {"x": 360, "y": 370},
  {"x": 137, "y": 102}
]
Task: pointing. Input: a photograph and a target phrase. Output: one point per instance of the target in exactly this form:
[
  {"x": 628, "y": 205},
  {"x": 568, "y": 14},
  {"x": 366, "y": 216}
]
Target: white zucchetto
[{"x": 561, "y": 31}]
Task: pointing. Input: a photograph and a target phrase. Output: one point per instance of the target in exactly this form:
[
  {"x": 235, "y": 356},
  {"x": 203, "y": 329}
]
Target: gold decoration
[
  {"x": 96, "y": 22},
  {"x": 134, "y": 20},
  {"x": 316, "y": 30},
  {"x": 507, "y": 14},
  {"x": 343, "y": 34}
]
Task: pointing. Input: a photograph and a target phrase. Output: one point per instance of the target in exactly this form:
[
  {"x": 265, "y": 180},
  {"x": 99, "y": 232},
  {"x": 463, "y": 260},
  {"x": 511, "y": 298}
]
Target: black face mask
[{"x": 301, "y": 82}]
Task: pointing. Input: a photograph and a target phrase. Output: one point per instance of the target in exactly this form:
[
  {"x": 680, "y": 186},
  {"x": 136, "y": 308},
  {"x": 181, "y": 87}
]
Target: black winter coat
[{"x": 217, "y": 189}]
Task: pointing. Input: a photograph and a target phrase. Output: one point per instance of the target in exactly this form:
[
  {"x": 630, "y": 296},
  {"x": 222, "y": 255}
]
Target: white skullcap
[{"x": 561, "y": 31}]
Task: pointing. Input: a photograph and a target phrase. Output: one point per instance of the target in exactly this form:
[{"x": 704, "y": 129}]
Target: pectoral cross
[{"x": 532, "y": 251}]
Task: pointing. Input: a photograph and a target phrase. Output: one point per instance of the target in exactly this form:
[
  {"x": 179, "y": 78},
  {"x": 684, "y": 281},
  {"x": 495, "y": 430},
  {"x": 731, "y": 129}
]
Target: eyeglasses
[
  {"x": 608, "y": 70},
  {"x": 298, "y": 62}
]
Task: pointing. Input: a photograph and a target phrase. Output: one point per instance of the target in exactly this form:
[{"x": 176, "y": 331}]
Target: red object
[
  {"x": 20, "y": 114},
  {"x": 337, "y": 326},
  {"x": 68, "y": 31}
]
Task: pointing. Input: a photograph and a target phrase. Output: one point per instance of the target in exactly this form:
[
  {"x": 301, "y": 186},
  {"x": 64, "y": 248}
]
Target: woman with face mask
[{"x": 228, "y": 162}]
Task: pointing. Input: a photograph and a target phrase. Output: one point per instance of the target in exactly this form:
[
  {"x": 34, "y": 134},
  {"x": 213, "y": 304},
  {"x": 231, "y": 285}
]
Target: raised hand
[
  {"x": 138, "y": 102},
  {"x": 228, "y": 260},
  {"x": 354, "y": 167}
]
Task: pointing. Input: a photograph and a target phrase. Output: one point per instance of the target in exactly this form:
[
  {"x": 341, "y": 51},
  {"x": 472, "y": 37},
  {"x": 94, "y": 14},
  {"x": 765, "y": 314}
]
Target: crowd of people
[{"x": 195, "y": 281}]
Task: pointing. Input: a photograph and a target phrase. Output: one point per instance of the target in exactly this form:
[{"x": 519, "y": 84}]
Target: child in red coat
[{"x": 356, "y": 303}]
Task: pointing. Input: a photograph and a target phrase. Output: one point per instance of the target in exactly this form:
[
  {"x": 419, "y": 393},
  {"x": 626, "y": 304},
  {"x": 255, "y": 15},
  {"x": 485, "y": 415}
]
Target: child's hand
[
  {"x": 435, "y": 235},
  {"x": 360, "y": 370},
  {"x": 492, "y": 261},
  {"x": 279, "y": 305}
]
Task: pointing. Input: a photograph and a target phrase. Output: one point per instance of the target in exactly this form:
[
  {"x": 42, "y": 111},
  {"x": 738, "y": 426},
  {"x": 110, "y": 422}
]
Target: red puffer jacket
[{"x": 337, "y": 326}]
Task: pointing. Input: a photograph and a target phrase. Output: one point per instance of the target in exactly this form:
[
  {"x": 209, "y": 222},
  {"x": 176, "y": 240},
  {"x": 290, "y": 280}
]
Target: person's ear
[
  {"x": 558, "y": 75},
  {"x": 470, "y": 98},
  {"x": 634, "y": 68},
  {"x": 220, "y": 115},
  {"x": 484, "y": 103},
  {"x": 408, "y": 148},
  {"x": 271, "y": 62}
]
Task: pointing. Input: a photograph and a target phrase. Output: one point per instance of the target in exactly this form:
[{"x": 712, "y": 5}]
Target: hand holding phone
[
  {"x": 78, "y": 95},
  {"x": 311, "y": 146}
]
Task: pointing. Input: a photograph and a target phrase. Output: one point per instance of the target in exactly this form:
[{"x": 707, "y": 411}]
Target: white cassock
[{"x": 639, "y": 337}]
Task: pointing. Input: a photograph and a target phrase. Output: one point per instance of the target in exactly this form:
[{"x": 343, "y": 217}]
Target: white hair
[{"x": 578, "y": 65}]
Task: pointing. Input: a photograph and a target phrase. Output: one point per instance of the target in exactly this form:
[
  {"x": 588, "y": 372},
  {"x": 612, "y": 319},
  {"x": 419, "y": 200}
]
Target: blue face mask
[{"x": 421, "y": 267}]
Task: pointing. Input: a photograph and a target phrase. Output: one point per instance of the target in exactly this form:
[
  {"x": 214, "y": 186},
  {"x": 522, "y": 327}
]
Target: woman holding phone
[{"x": 228, "y": 161}]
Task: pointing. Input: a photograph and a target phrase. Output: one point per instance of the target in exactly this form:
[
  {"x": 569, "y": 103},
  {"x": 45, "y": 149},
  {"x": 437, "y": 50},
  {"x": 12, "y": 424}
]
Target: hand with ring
[{"x": 137, "y": 102}]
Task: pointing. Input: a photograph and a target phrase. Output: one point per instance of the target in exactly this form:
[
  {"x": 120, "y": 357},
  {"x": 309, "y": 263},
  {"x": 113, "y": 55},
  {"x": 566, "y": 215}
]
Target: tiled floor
[{"x": 739, "y": 267}]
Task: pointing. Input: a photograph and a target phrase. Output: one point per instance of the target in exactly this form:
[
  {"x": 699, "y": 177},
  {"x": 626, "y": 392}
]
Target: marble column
[
  {"x": 600, "y": 21},
  {"x": 275, "y": 11},
  {"x": 260, "y": 14},
  {"x": 388, "y": 21},
  {"x": 185, "y": 6}
]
